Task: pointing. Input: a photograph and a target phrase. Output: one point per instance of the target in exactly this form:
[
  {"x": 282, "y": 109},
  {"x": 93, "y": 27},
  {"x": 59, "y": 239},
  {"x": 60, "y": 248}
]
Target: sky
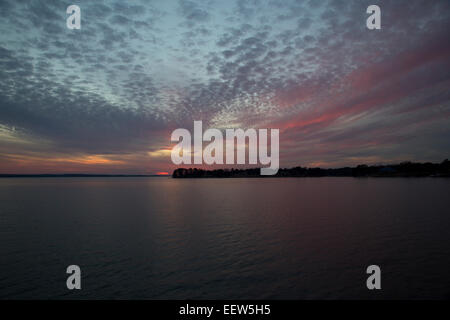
[{"x": 105, "y": 98}]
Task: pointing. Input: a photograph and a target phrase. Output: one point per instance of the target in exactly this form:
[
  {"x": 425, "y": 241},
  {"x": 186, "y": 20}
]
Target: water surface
[{"x": 275, "y": 238}]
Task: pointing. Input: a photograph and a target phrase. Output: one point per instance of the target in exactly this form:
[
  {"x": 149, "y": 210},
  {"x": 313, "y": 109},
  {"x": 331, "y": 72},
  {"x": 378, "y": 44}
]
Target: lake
[{"x": 260, "y": 238}]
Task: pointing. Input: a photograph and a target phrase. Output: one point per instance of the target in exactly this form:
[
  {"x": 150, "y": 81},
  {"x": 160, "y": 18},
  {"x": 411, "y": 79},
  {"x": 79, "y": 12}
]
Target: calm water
[{"x": 287, "y": 238}]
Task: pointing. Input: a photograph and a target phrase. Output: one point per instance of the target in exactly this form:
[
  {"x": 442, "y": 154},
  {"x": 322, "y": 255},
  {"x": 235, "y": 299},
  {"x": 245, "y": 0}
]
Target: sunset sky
[{"x": 105, "y": 98}]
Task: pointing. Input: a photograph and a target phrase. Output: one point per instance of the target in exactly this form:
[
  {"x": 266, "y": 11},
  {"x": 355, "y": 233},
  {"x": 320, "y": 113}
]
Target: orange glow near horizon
[
  {"x": 95, "y": 159},
  {"x": 162, "y": 173},
  {"x": 14, "y": 163}
]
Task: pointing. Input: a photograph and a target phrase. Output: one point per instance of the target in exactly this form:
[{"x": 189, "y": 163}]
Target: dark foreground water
[{"x": 280, "y": 238}]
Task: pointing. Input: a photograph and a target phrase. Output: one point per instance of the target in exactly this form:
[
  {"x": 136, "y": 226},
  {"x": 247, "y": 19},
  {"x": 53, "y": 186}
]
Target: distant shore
[
  {"x": 404, "y": 169},
  {"x": 76, "y": 175}
]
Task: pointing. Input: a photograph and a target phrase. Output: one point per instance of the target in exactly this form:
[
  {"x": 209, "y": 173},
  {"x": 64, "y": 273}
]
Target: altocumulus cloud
[{"x": 107, "y": 96}]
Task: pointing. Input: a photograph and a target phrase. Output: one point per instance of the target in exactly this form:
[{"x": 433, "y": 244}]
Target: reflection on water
[{"x": 280, "y": 238}]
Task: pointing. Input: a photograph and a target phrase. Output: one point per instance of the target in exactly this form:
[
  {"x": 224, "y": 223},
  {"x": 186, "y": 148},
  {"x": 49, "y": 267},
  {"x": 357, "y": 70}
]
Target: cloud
[{"x": 134, "y": 72}]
